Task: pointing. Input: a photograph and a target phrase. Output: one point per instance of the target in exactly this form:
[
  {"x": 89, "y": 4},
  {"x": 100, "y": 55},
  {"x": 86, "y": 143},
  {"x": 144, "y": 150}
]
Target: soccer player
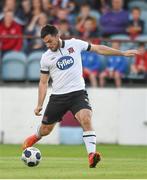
[{"x": 62, "y": 62}]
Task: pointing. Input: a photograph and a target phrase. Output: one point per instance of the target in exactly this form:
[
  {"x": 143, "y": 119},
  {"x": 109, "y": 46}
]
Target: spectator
[
  {"x": 34, "y": 29},
  {"x": 89, "y": 29},
  {"x": 91, "y": 67},
  {"x": 24, "y": 12},
  {"x": 10, "y": 5},
  {"x": 61, "y": 14},
  {"x": 64, "y": 29},
  {"x": 102, "y": 5},
  {"x": 9, "y": 27},
  {"x": 46, "y": 5},
  {"x": 115, "y": 21},
  {"x": 37, "y": 7},
  {"x": 140, "y": 65},
  {"x": 116, "y": 68},
  {"x": 59, "y": 3},
  {"x": 85, "y": 12},
  {"x": 72, "y": 12},
  {"x": 136, "y": 25}
]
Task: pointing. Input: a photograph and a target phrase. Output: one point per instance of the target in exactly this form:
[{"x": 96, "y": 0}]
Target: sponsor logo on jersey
[{"x": 65, "y": 62}]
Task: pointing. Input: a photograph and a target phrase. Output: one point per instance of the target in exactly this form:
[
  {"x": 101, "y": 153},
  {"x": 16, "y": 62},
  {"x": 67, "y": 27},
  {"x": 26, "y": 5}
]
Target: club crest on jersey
[
  {"x": 71, "y": 50},
  {"x": 65, "y": 62}
]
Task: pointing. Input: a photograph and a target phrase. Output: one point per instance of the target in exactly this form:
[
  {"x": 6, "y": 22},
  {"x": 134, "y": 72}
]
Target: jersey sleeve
[
  {"x": 43, "y": 67},
  {"x": 83, "y": 45}
]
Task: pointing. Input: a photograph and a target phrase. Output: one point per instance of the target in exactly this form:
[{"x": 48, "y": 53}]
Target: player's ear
[{"x": 58, "y": 35}]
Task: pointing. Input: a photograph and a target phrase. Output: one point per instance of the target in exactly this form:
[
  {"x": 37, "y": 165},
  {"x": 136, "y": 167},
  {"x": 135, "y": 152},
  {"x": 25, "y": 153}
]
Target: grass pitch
[{"x": 70, "y": 162}]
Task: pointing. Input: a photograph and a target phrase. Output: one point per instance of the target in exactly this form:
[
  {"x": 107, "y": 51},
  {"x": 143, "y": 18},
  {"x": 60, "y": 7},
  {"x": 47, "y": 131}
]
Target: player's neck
[{"x": 61, "y": 43}]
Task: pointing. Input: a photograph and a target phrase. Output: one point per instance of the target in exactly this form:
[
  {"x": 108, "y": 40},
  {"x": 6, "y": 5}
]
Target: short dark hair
[
  {"x": 136, "y": 8},
  {"x": 49, "y": 30}
]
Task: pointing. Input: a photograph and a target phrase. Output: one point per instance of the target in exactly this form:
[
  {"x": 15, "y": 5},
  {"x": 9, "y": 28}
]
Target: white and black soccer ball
[{"x": 31, "y": 156}]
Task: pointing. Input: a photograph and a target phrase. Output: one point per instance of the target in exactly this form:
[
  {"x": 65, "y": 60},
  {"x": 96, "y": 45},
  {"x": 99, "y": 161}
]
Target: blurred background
[{"x": 116, "y": 85}]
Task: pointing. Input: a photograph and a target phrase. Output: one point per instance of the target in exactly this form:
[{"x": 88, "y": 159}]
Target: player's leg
[
  {"x": 82, "y": 111},
  {"x": 53, "y": 113},
  {"x": 43, "y": 130},
  {"x": 89, "y": 136}
]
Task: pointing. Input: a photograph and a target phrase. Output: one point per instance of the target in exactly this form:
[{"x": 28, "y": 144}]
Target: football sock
[
  {"x": 89, "y": 138},
  {"x": 38, "y": 135}
]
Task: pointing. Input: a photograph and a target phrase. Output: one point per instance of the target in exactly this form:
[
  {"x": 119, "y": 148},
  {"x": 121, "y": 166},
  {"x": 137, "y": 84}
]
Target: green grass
[{"x": 70, "y": 162}]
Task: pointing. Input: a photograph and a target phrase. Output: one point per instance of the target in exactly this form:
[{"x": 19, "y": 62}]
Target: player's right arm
[
  {"x": 43, "y": 85},
  {"x": 42, "y": 90}
]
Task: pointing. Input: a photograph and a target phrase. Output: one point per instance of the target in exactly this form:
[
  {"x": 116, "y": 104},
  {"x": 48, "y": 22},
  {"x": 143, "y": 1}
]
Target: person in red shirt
[
  {"x": 9, "y": 27},
  {"x": 140, "y": 64}
]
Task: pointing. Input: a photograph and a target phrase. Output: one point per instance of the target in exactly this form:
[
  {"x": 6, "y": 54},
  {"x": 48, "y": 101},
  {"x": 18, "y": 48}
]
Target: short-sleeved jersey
[{"x": 65, "y": 66}]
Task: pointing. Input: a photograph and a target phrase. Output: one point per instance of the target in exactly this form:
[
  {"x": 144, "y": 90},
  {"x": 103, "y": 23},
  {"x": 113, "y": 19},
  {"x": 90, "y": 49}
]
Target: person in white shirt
[{"x": 62, "y": 62}]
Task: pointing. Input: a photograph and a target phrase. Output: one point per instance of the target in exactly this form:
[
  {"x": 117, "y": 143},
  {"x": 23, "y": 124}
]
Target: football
[{"x": 31, "y": 156}]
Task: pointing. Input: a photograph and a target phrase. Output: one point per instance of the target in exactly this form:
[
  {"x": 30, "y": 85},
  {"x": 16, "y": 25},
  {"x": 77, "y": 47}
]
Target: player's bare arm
[
  {"x": 43, "y": 85},
  {"x": 105, "y": 50}
]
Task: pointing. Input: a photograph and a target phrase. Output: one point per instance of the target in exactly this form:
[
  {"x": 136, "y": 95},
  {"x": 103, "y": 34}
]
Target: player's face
[{"x": 52, "y": 42}]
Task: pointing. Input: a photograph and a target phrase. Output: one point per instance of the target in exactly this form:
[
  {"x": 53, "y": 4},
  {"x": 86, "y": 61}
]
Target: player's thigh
[
  {"x": 84, "y": 116},
  {"x": 81, "y": 107},
  {"x": 54, "y": 112}
]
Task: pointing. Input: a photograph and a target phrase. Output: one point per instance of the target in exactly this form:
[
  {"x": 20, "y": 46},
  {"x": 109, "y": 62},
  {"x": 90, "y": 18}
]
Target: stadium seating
[
  {"x": 144, "y": 18},
  {"x": 141, "y": 38},
  {"x": 14, "y": 66},
  {"x": 33, "y": 66},
  {"x": 141, "y": 4},
  {"x": 124, "y": 45}
]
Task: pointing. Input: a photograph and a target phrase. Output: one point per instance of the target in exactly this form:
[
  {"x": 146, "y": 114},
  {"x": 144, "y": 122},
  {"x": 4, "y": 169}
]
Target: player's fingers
[{"x": 38, "y": 114}]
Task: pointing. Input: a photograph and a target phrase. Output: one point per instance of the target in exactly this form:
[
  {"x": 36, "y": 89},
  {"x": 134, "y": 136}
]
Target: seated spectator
[
  {"x": 73, "y": 9},
  {"x": 9, "y": 27},
  {"x": 136, "y": 25},
  {"x": 102, "y": 5},
  {"x": 115, "y": 21},
  {"x": 64, "y": 29},
  {"x": 91, "y": 67},
  {"x": 34, "y": 29},
  {"x": 37, "y": 7},
  {"x": 140, "y": 64},
  {"x": 46, "y": 5},
  {"x": 61, "y": 14},
  {"x": 85, "y": 12},
  {"x": 116, "y": 68},
  {"x": 11, "y": 5},
  {"x": 89, "y": 28},
  {"x": 24, "y": 12}
]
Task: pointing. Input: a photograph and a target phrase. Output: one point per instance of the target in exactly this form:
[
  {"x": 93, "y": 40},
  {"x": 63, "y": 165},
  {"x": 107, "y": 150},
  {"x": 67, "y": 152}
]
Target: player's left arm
[{"x": 105, "y": 50}]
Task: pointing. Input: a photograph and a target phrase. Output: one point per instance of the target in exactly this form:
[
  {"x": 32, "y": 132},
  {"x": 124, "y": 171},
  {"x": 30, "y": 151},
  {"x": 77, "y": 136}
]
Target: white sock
[
  {"x": 89, "y": 138},
  {"x": 38, "y": 132}
]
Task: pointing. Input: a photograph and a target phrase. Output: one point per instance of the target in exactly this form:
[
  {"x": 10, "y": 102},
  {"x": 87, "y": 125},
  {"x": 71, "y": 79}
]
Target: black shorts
[{"x": 58, "y": 105}]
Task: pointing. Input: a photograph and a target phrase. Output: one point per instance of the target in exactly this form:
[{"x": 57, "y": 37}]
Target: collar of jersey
[{"x": 62, "y": 43}]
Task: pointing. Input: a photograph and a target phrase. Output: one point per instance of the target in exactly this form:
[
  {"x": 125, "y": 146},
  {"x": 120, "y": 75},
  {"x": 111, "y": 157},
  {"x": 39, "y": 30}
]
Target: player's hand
[
  {"x": 37, "y": 111},
  {"x": 130, "y": 53}
]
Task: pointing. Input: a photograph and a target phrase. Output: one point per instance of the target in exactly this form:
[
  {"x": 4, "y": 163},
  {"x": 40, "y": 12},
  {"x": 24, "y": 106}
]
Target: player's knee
[
  {"x": 86, "y": 121},
  {"x": 45, "y": 131}
]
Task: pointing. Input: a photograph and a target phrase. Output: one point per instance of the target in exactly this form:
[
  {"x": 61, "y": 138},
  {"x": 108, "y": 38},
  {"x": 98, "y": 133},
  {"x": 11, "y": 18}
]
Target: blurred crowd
[{"x": 87, "y": 19}]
